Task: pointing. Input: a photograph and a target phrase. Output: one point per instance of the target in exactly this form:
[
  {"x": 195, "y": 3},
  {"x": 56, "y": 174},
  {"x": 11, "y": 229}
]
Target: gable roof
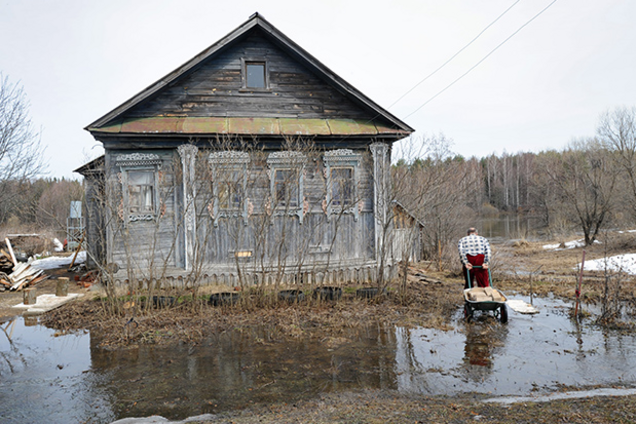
[{"x": 113, "y": 123}]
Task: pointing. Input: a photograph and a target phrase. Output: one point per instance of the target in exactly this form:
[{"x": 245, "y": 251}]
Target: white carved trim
[
  {"x": 339, "y": 152},
  {"x": 137, "y": 159},
  {"x": 229, "y": 157},
  {"x": 145, "y": 217},
  {"x": 188, "y": 153},
  {"x": 286, "y": 157},
  {"x": 334, "y": 157}
]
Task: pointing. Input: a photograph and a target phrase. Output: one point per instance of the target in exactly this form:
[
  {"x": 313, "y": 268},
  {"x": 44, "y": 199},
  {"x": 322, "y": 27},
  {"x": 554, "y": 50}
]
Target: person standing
[{"x": 474, "y": 250}]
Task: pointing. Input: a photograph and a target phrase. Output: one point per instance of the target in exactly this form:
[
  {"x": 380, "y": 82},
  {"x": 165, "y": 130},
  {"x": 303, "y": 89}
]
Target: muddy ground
[{"x": 373, "y": 407}]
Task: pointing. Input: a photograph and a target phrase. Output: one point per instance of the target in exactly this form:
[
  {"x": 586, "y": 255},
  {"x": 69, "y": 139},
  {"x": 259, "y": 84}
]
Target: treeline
[
  {"x": 588, "y": 185},
  {"x": 37, "y": 205}
]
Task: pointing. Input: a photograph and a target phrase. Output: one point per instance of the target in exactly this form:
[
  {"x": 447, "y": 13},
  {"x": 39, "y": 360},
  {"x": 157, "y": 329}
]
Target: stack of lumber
[
  {"x": 485, "y": 294},
  {"x": 6, "y": 264},
  {"x": 23, "y": 276},
  {"x": 17, "y": 277}
]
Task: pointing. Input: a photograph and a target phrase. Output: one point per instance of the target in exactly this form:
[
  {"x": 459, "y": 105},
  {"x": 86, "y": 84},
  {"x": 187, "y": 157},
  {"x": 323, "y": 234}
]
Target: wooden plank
[{"x": 11, "y": 251}]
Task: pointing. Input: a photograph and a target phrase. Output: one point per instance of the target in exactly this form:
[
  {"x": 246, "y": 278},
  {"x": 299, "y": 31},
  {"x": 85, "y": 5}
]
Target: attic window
[{"x": 255, "y": 74}]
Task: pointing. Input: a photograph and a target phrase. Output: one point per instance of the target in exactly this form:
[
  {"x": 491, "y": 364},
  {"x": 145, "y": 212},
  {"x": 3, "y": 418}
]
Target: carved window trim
[
  {"x": 139, "y": 162},
  {"x": 222, "y": 164},
  {"x": 342, "y": 159},
  {"x": 288, "y": 161}
]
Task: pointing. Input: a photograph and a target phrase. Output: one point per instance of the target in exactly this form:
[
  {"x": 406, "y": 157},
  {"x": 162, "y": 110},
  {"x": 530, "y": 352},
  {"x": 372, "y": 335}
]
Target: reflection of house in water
[{"x": 235, "y": 370}]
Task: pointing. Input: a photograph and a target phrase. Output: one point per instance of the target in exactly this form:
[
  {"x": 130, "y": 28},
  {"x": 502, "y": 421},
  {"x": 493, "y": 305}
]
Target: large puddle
[{"x": 45, "y": 377}]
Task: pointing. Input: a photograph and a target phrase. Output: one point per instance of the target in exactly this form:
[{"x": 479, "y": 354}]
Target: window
[
  {"x": 342, "y": 185},
  {"x": 255, "y": 74},
  {"x": 230, "y": 189},
  {"x": 286, "y": 183},
  {"x": 342, "y": 169},
  {"x": 141, "y": 192},
  {"x": 286, "y": 187},
  {"x": 229, "y": 185},
  {"x": 139, "y": 177}
]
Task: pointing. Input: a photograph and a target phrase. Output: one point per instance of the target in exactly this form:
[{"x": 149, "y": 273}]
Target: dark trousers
[{"x": 477, "y": 275}]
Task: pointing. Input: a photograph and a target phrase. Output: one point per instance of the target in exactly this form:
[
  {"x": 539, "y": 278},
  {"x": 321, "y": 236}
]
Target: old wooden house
[{"x": 253, "y": 161}]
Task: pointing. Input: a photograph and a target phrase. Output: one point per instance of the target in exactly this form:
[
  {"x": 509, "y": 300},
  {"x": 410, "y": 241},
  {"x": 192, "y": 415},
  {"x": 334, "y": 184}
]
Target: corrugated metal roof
[{"x": 247, "y": 126}]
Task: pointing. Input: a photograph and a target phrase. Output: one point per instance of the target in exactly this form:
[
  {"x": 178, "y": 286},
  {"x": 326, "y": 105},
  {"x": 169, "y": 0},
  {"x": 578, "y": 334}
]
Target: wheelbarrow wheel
[
  {"x": 468, "y": 313},
  {"x": 503, "y": 314}
]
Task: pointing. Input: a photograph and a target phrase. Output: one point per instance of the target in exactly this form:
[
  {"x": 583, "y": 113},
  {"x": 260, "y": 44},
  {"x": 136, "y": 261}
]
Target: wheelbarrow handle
[{"x": 470, "y": 282}]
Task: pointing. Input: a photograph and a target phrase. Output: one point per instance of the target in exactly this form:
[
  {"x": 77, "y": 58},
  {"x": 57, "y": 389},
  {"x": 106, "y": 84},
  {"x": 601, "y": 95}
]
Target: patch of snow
[
  {"x": 58, "y": 261},
  {"x": 563, "y": 395},
  {"x": 625, "y": 263},
  {"x": 156, "y": 419},
  {"x": 58, "y": 245},
  {"x": 568, "y": 245}
]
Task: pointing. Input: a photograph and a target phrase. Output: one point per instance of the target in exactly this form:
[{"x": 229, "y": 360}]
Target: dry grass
[
  {"x": 190, "y": 321},
  {"x": 386, "y": 406},
  {"x": 523, "y": 267}
]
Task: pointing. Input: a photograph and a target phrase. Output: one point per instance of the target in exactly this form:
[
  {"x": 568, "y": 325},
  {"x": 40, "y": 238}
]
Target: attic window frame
[{"x": 245, "y": 61}]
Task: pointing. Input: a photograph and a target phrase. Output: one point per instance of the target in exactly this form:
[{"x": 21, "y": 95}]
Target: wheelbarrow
[{"x": 484, "y": 299}]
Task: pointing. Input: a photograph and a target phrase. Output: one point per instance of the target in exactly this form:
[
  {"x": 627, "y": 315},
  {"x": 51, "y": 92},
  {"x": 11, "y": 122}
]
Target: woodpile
[
  {"x": 17, "y": 276},
  {"x": 6, "y": 264}
]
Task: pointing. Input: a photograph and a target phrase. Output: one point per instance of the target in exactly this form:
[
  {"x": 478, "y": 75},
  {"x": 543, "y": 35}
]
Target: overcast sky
[{"x": 78, "y": 59}]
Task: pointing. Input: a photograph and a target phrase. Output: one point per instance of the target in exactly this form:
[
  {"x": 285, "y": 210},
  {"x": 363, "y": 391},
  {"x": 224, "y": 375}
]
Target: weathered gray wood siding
[
  {"x": 95, "y": 219},
  {"x": 144, "y": 244},
  {"x": 282, "y": 240},
  {"x": 214, "y": 88},
  {"x": 273, "y": 241}
]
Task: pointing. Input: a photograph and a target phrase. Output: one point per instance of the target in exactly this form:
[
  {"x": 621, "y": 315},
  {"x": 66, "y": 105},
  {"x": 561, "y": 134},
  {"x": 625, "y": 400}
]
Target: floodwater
[
  {"x": 47, "y": 377},
  {"x": 509, "y": 227}
]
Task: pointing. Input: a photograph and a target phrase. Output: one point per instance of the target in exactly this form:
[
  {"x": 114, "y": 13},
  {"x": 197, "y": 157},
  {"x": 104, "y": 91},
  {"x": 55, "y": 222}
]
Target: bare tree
[
  {"x": 617, "y": 132},
  {"x": 585, "y": 177},
  {"x": 21, "y": 150},
  {"x": 437, "y": 189}
]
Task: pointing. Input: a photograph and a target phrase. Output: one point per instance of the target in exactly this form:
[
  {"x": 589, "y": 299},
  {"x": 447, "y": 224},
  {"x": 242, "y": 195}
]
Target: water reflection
[
  {"x": 44, "y": 378},
  {"x": 485, "y": 338},
  {"x": 509, "y": 227},
  {"x": 232, "y": 371}
]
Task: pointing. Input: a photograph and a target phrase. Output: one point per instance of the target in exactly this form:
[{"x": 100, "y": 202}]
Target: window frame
[
  {"x": 139, "y": 162},
  {"x": 245, "y": 62},
  {"x": 288, "y": 160},
  {"x": 342, "y": 159},
  {"x": 222, "y": 163}
]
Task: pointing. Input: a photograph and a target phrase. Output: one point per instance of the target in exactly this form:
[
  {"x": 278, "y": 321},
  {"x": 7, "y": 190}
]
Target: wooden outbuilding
[{"x": 251, "y": 162}]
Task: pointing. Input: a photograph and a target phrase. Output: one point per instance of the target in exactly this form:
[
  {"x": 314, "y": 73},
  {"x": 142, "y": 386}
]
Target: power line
[
  {"x": 483, "y": 59},
  {"x": 453, "y": 56}
]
